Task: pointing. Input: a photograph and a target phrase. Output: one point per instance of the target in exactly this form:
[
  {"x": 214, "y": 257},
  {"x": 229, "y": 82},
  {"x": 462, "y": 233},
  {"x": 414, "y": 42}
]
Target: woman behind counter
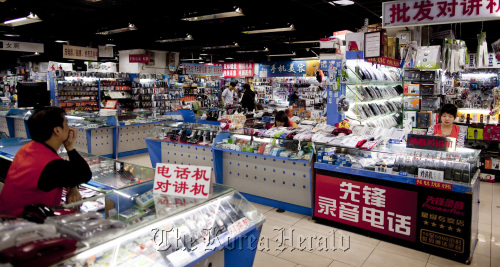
[{"x": 446, "y": 127}]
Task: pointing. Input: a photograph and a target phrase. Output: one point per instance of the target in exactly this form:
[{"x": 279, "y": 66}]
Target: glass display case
[
  {"x": 459, "y": 167},
  {"x": 142, "y": 116},
  {"x": 89, "y": 120},
  {"x": 184, "y": 132},
  {"x": 147, "y": 229}
]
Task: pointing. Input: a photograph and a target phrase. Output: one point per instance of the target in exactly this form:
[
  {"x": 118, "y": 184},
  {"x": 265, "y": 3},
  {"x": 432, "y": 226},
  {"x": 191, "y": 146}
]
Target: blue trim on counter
[{"x": 278, "y": 204}]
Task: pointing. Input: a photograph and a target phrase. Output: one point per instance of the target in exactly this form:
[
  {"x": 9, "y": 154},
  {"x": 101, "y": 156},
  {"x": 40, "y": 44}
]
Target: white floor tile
[
  {"x": 262, "y": 208},
  {"x": 309, "y": 224},
  {"x": 286, "y": 217},
  {"x": 354, "y": 254},
  {"x": 339, "y": 264},
  {"x": 382, "y": 258},
  {"x": 268, "y": 230},
  {"x": 407, "y": 252},
  {"x": 265, "y": 260},
  {"x": 357, "y": 238},
  {"x": 305, "y": 258}
]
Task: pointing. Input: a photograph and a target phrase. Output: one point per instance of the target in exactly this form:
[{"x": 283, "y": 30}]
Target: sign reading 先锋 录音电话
[
  {"x": 182, "y": 180},
  {"x": 426, "y": 12}
]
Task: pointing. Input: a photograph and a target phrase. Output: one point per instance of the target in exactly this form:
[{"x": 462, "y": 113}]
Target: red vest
[
  {"x": 21, "y": 184},
  {"x": 454, "y": 131}
]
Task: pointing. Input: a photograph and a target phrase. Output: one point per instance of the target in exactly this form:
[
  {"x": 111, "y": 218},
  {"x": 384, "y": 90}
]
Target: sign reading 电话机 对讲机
[
  {"x": 427, "y": 12},
  {"x": 182, "y": 180}
]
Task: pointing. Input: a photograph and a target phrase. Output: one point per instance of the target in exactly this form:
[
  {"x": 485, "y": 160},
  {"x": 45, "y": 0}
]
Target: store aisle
[{"x": 363, "y": 251}]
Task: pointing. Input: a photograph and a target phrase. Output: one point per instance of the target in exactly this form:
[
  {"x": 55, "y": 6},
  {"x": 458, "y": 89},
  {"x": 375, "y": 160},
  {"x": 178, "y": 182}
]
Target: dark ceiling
[{"x": 78, "y": 21}]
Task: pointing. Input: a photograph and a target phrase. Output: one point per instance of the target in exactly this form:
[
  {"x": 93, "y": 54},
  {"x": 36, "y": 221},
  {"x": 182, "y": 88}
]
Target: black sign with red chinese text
[{"x": 430, "y": 142}]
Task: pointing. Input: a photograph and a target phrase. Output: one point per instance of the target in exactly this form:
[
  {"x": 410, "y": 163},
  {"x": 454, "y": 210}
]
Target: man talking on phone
[{"x": 38, "y": 175}]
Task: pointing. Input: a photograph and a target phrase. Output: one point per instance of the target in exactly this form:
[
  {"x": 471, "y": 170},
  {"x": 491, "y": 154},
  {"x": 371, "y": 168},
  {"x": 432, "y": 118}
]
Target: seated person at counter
[
  {"x": 446, "y": 127},
  {"x": 281, "y": 120},
  {"x": 38, "y": 175}
]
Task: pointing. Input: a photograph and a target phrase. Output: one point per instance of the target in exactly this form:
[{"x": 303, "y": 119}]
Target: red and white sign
[
  {"x": 386, "y": 210},
  {"x": 418, "y": 12},
  {"x": 237, "y": 69},
  {"x": 239, "y": 226},
  {"x": 386, "y": 61},
  {"x": 77, "y": 52},
  {"x": 142, "y": 58},
  {"x": 181, "y": 180}
]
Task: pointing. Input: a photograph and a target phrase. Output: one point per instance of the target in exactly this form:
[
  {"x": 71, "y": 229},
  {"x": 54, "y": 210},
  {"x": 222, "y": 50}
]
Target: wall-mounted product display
[
  {"x": 77, "y": 94},
  {"x": 118, "y": 89},
  {"x": 374, "y": 94},
  {"x": 423, "y": 90}
]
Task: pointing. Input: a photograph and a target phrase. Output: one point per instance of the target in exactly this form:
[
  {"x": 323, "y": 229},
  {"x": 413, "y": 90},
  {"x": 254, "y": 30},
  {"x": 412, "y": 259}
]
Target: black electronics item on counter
[
  {"x": 33, "y": 95},
  {"x": 481, "y": 118},
  {"x": 183, "y": 135},
  {"x": 428, "y": 75},
  {"x": 488, "y": 118},
  {"x": 468, "y": 119},
  {"x": 37, "y": 213}
]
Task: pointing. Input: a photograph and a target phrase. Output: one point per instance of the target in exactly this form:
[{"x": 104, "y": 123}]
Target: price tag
[
  {"x": 239, "y": 226},
  {"x": 432, "y": 175}
]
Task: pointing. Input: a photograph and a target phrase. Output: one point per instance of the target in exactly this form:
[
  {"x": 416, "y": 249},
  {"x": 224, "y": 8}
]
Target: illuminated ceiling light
[
  {"x": 305, "y": 58},
  {"x": 203, "y": 54},
  {"x": 220, "y": 61},
  {"x": 131, "y": 27},
  {"x": 286, "y": 29},
  {"x": 302, "y": 42},
  {"x": 341, "y": 2},
  {"x": 236, "y": 13},
  {"x": 191, "y": 59},
  {"x": 61, "y": 41},
  {"x": 235, "y": 45},
  {"x": 110, "y": 45},
  {"x": 253, "y": 51},
  {"x": 188, "y": 37},
  {"x": 229, "y": 58},
  {"x": 11, "y": 35},
  {"x": 282, "y": 55},
  {"x": 31, "y": 18}
]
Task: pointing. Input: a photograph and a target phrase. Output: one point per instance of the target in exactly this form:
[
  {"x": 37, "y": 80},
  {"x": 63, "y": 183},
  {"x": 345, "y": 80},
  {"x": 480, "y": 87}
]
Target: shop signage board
[
  {"x": 182, "y": 180},
  {"x": 21, "y": 46},
  {"x": 237, "y": 69},
  {"x": 492, "y": 61},
  {"x": 436, "y": 143},
  {"x": 138, "y": 58},
  {"x": 105, "y": 51},
  {"x": 372, "y": 207},
  {"x": 427, "y": 12},
  {"x": 284, "y": 68},
  {"x": 79, "y": 52},
  {"x": 432, "y": 220},
  {"x": 202, "y": 69}
]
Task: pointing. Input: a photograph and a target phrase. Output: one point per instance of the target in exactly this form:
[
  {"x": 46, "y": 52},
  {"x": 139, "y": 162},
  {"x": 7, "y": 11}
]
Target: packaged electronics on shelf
[
  {"x": 200, "y": 134},
  {"x": 361, "y": 70}
]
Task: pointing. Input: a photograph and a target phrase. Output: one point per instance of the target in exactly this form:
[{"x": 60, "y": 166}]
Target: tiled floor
[{"x": 363, "y": 251}]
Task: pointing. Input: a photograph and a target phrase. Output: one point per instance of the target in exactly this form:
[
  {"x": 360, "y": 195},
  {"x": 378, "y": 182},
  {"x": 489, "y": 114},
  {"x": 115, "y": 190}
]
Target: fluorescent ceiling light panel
[
  {"x": 61, "y": 41},
  {"x": 229, "y": 58},
  {"x": 305, "y": 58},
  {"x": 302, "y": 42},
  {"x": 282, "y": 55},
  {"x": 286, "y": 29},
  {"x": 191, "y": 59},
  {"x": 31, "y": 18},
  {"x": 235, "y": 45},
  {"x": 189, "y": 37},
  {"x": 236, "y": 13},
  {"x": 342, "y": 2},
  {"x": 110, "y": 45},
  {"x": 131, "y": 27},
  {"x": 253, "y": 51},
  {"x": 11, "y": 35}
]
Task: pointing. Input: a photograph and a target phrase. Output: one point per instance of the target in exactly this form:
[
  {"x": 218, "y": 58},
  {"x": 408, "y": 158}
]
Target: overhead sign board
[
  {"x": 78, "y": 52},
  {"x": 21, "y": 46},
  {"x": 426, "y": 12}
]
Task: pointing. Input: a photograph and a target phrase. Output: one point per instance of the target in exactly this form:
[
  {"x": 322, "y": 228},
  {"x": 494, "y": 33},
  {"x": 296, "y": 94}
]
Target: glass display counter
[
  {"x": 421, "y": 199},
  {"x": 147, "y": 229},
  {"x": 182, "y": 143}
]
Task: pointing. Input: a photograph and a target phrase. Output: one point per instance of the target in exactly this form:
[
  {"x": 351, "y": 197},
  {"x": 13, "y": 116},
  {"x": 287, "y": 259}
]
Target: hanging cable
[{"x": 482, "y": 24}]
